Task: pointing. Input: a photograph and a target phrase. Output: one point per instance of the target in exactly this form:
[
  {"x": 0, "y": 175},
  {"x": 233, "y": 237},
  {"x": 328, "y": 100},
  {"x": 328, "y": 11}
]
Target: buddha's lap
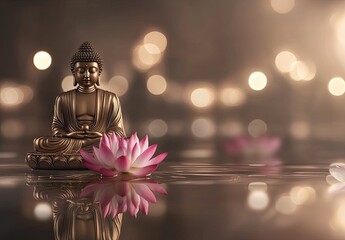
[{"x": 63, "y": 144}]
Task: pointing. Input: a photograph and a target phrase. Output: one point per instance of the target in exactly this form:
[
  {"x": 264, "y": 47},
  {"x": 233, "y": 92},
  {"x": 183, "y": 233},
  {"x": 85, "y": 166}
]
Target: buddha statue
[{"x": 83, "y": 114}]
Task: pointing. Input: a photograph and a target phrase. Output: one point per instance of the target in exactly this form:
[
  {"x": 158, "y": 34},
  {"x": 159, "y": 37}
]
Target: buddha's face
[{"x": 86, "y": 74}]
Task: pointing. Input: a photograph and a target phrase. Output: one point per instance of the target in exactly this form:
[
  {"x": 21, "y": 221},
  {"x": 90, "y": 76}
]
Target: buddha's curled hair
[{"x": 86, "y": 53}]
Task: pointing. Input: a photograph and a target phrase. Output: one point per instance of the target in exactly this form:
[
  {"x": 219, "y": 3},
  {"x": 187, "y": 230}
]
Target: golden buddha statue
[{"x": 81, "y": 115}]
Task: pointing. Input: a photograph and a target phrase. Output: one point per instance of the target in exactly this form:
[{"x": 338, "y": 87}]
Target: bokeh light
[
  {"x": 11, "y": 96},
  {"x": 285, "y": 205},
  {"x": 152, "y": 48},
  {"x": 311, "y": 71},
  {"x": 339, "y": 217},
  {"x": 156, "y": 84},
  {"x": 202, "y": 97},
  {"x": 340, "y": 30},
  {"x": 257, "y": 128},
  {"x": 9, "y": 182},
  {"x": 258, "y": 200},
  {"x": 336, "y": 86},
  {"x": 302, "y": 194},
  {"x": 156, "y": 38},
  {"x": 257, "y": 81},
  {"x": 67, "y": 83},
  {"x": 338, "y": 21},
  {"x": 28, "y": 93},
  {"x": 12, "y": 128},
  {"x": 118, "y": 84},
  {"x": 147, "y": 57},
  {"x": 282, "y": 6},
  {"x": 301, "y": 71},
  {"x": 8, "y": 155},
  {"x": 232, "y": 97},
  {"x": 300, "y": 130},
  {"x": 143, "y": 59},
  {"x": 158, "y": 128},
  {"x": 257, "y": 186},
  {"x": 203, "y": 128},
  {"x": 42, "y": 60},
  {"x": 43, "y": 211},
  {"x": 284, "y": 61}
]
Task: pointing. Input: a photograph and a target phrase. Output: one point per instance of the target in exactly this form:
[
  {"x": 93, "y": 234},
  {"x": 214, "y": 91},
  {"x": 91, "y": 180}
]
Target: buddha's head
[{"x": 86, "y": 66}]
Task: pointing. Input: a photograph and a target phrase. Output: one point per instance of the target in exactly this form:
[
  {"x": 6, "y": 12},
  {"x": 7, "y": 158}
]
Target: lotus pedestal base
[{"x": 55, "y": 161}]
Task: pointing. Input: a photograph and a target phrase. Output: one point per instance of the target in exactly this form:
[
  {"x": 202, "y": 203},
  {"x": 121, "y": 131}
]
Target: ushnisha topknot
[{"x": 86, "y": 53}]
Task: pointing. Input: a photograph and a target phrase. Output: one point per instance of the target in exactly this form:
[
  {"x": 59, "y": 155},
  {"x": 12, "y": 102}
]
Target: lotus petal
[
  {"x": 107, "y": 172},
  {"x": 122, "y": 206},
  {"x": 337, "y": 188},
  {"x": 145, "y": 192},
  {"x": 143, "y": 171},
  {"x": 106, "y": 155},
  {"x": 93, "y": 167},
  {"x": 144, "y": 143},
  {"x": 104, "y": 141},
  {"x": 337, "y": 170},
  {"x": 135, "y": 199},
  {"x": 87, "y": 156},
  {"x": 114, "y": 143},
  {"x": 135, "y": 152},
  {"x": 122, "y": 164},
  {"x": 143, "y": 158},
  {"x": 130, "y": 144},
  {"x": 144, "y": 206},
  {"x": 132, "y": 207},
  {"x": 157, "y": 188},
  {"x": 158, "y": 159}
]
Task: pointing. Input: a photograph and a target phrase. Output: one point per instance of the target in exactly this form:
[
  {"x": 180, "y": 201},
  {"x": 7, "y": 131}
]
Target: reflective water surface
[{"x": 182, "y": 201}]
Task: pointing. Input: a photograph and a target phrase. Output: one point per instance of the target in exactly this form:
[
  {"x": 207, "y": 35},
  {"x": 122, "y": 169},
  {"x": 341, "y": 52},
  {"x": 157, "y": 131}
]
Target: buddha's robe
[{"x": 107, "y": 119}]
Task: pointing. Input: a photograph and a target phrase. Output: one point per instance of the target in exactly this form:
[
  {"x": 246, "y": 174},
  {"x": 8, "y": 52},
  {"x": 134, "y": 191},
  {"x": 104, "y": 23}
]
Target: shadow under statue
[{"x": 80, "y": 118}]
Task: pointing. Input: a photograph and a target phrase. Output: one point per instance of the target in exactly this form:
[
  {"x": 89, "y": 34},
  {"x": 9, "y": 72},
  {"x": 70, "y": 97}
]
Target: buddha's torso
[{"x": 85, "y": 107}]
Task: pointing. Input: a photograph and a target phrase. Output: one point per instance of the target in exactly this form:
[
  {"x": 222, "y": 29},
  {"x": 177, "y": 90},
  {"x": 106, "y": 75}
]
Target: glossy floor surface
[{"x": 194, "y": 201}]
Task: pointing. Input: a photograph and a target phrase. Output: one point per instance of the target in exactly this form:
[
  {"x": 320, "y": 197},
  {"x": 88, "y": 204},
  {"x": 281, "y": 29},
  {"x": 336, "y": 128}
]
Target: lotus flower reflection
[
  {"x": 117, "y": 155},
  {"x": 122, "y": 196}
]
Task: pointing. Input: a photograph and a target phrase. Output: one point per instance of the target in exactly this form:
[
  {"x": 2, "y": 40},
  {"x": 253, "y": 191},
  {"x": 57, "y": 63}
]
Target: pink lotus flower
[
  {"x": 122, "y": 196},
  {"x": 117, "y": 155},
  {"x": 257, "y": 150}
]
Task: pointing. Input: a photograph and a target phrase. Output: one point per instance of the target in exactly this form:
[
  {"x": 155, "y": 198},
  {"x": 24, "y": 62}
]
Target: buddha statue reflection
[{"x": 83, "y": 114}]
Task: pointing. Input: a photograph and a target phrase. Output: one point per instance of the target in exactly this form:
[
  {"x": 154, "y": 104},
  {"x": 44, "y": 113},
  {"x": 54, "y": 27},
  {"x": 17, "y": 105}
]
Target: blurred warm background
[{"x": 191, "y": 74}]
